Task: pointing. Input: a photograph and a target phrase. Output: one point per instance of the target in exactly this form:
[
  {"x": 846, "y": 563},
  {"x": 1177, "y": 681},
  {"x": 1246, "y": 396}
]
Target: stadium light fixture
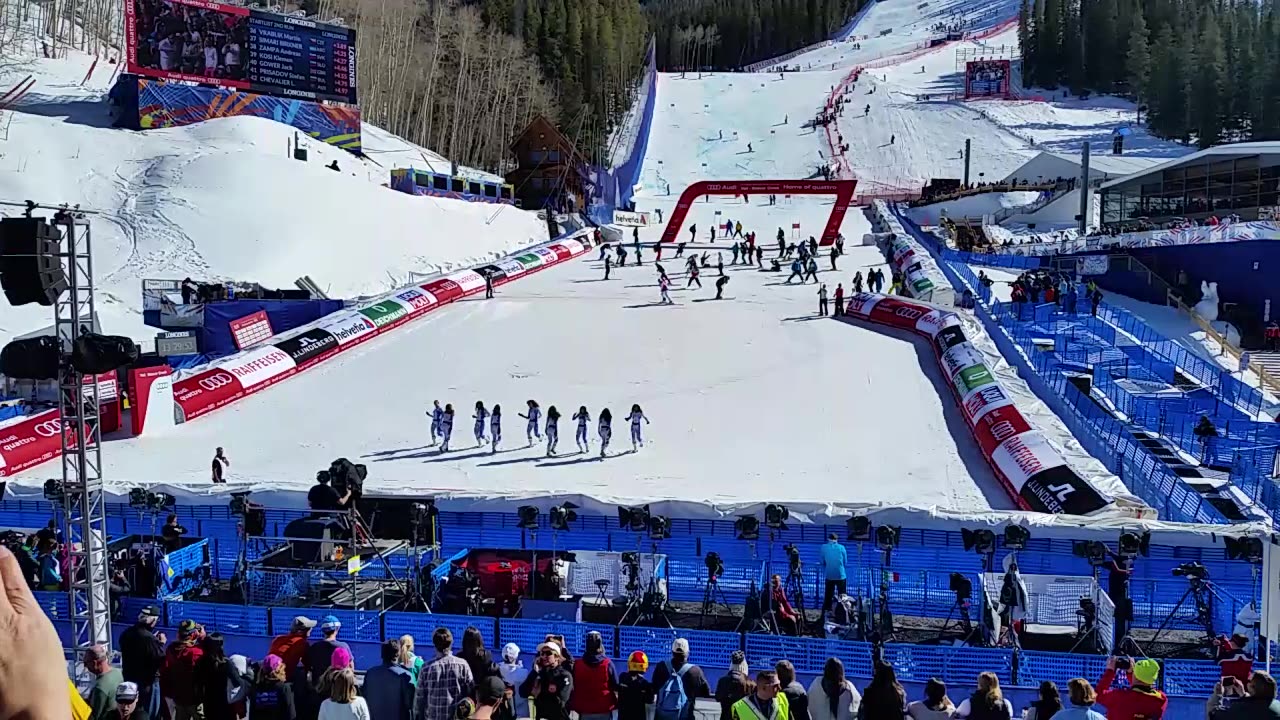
[
  {"x": 54, "y": 491},
  {"x": 659, "y": 527},
  {"x": 239, "y": 504},
  {"x": 775, "y": 516},
  {"x": 528, "y": 517},
  {"x": 1094, "y": 551},
  {"x": 1132, "y": 544},
  {"x": 858, "y": 528},
  {"x": 1016, "y": 537},
  {"x": 888, "y": 537},
  {"x": 635, "y": 519},
  {"x": 747, "y": 527},
  {"x": 981, "y": 541},
  {"x": 561, "y": 515}
]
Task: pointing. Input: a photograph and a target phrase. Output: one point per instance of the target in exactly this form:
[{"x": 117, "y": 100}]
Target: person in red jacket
[
  {"x": 780, "y": 606},
  {"x": 177, "y": 673},
  {"x": 1139, "y": 702},
  {"x": 595, "y": 684}
]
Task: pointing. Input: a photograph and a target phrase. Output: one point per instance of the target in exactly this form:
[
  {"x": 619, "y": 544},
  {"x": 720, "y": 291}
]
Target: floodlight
[
  {"x": 239, "y": 504},
  {"x": 858, "y": 528},
  {"x": 138, "y": 499},
  {"x": 1092, "y": 550},
  {"x": 1132, "y": 544},
  {"x": 528, "y": 517},
  {"x": 635, "y": 519},
  {"x": 561, "y": 515},
  {"x": 422, "y": 512},
  {"x": 1016, "y": 537},
  {"x": 659, "y": 527},
  {"x": 53, "y": 490},
  {"x": 747, "y": 527},
  {"x": 775, "y": 516},
  {"x": 887, "y": 537},
  {"x": 1248, "y": 549},
  {"x": 981, "y": 541}
]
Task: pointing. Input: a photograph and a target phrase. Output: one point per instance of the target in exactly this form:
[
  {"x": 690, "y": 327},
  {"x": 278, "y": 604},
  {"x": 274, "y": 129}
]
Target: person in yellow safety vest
[{"x": 766, "y": 703}]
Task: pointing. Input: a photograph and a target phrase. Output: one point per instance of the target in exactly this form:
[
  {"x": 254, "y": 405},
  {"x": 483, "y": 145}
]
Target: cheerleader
[
  {"x": 531, "y": 429},
  {"x": 635, "y": 417},
  {"x": 436, "y": 416},
  {"x": 446, "y": 427},
  {"x": 480, "y": 416},
  {"x": 553, "y": 430},
  {"x": 583, "y": 417},
  {"x": 495, "y": 428},
  {"x": 605, "y": 429}
]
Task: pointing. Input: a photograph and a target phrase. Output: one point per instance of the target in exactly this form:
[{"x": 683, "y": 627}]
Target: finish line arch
[{"x": 841, "y": 189}]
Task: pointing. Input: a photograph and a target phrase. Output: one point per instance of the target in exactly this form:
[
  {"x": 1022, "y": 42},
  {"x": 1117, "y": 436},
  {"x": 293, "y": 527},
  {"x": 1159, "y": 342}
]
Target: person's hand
[
  {"x": 164, "y": 640},
  {"x": 32, "y": 667},
  {"x": 1111, "y": 663},
  {"x": 1217, "y": 688}
]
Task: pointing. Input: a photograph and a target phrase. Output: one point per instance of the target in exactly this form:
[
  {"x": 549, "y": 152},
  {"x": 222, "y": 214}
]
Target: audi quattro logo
[
  {"x": 909, "y": 313},
  {"x": 215, "y": 382},
  {"x": 49, "y": 428}
]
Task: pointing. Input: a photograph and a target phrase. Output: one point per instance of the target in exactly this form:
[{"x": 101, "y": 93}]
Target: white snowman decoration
[{"x": 1207, "y": 308}]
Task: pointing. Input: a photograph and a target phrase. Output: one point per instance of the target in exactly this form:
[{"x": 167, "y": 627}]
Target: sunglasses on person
[{"x": 546, "y": 653}]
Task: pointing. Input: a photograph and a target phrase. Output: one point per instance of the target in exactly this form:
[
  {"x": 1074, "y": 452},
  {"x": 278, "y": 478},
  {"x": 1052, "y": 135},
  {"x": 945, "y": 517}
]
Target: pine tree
[
  {"x": 1208, "y": 83},
  {"x": 1138, "y": 63}
]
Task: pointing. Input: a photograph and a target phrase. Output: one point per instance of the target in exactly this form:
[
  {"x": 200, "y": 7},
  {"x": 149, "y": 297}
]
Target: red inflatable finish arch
[{"x": 842, "y": 189}]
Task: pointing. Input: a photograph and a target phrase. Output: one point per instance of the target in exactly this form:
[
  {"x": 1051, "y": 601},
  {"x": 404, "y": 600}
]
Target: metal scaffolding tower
[{"x": 84, "y": 522}]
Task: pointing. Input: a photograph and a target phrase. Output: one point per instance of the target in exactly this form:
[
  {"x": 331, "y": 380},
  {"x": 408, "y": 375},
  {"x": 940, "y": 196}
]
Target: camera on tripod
[
  {"x": 1192, "y": 571},
  {"x": 631, "y": 559},
  {"x": 793, "y": 556},
  {"x": 345, "y": 476},
  {"x": 962, "y": 586},
  {"x": 1088, "y": 609}
]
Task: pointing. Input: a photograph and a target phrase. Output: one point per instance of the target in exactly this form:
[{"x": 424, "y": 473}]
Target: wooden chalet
[{"x": 550, "y": 172}]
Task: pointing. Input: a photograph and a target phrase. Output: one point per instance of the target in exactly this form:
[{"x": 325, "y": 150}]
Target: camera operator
[
  {"x": 1230, "y": 701},
  {"x": 322, "y": 497},
  {"x": 1141, "y": 701},
  {"x": 1119, "y": 571},
  {"x": 834, "y": 557}
]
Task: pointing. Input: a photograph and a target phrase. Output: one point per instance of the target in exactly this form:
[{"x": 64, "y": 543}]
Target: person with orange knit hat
[{"x": 635, "y": 691}]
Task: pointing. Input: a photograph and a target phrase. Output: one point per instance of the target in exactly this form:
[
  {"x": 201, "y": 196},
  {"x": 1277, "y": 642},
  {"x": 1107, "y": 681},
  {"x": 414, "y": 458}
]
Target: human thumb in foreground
[{"x": 33, "y": 671}]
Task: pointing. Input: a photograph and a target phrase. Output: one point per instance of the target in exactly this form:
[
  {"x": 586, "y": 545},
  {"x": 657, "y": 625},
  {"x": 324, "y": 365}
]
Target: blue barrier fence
[
  {"x": 957, "y": 666},
  {"x": 1101, "y": 434}
]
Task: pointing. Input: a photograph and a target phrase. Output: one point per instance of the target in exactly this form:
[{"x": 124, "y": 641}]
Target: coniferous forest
[
  {"x": 727, "y": 34},
  {"x": 1207, "y": 72}
]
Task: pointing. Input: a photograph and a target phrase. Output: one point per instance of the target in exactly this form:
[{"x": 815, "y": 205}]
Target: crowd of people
[
  {"x": 933, "y": 194},
  {"x": 1037, "y": 286},
  {"x": 190, "y": 39},
  {"x": 1180, "y": 223},
  {"x": 487, "y": 426},
  {"x": 308, "y": 678}
]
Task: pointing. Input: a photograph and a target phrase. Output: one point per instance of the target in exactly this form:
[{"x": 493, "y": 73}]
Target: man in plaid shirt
[{"x": 444, "y": 681}]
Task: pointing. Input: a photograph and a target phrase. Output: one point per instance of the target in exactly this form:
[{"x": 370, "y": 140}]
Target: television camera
[
  {"x": 1192, "y": 571},
  {"x": 793, "y": 557}
]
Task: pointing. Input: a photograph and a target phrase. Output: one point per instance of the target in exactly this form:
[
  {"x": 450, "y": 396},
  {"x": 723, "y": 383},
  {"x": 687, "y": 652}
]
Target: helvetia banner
[{"x": 1037, "y": 477}]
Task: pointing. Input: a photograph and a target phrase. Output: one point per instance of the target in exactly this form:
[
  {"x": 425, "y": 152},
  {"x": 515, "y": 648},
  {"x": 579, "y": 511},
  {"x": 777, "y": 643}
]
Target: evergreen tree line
[
  {"x": 1208, "y": 71},
  {"x": 591, "y": 54},
  {"x": 727, "y": 34}
]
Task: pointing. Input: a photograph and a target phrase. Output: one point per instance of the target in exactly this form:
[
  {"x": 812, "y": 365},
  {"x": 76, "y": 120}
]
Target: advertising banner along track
[{"x": 1036, "y": 476}]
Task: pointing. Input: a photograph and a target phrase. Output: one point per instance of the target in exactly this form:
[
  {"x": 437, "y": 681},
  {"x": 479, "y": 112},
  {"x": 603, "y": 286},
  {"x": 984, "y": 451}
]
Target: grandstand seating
[{"x": 1159, "y": 389}]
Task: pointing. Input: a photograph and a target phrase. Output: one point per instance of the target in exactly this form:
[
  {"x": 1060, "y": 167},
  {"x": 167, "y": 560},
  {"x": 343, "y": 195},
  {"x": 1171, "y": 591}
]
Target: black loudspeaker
[
  {"x": 94, "y": 354},
  {"x": 30, "y": 268},
  {"x": 31, "y": 359}
]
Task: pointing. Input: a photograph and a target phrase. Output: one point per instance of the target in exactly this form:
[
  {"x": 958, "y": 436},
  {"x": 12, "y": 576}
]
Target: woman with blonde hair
[
  {"x": 987, "y": 703},
  {"x": 343, "y": 703},
  {"x": 1082, "y": 699},
  {"x": 408, "y": 659}
]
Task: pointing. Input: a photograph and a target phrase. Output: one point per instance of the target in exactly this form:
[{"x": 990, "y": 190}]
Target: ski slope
[
  {"x": 751, "y": 398},
  {"x": 222, "y": 200}
]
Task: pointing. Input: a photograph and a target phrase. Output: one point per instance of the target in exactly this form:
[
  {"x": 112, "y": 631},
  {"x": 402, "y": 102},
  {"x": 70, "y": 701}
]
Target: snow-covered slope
[{"x": 222, "y": 200}]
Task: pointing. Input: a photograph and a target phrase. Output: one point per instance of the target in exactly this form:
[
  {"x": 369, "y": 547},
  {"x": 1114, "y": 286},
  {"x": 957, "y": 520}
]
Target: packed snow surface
[{"x": 223, "y": 200}]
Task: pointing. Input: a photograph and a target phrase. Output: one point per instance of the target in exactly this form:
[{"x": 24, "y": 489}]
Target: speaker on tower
[{"x": 30, "y": 265}]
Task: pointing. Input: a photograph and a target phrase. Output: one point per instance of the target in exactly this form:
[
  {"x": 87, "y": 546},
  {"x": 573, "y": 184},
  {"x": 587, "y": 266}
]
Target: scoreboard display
[{"x": 237, "y": 47}]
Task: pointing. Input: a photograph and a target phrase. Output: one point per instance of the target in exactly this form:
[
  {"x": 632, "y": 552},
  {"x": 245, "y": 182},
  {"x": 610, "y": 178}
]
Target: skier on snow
[
  {"x": 495, "y": 428},
  {"x": 664, "y": 290},
  {"x": 605, "y": 428},
  {"x": 720, "y": 283},
  {"x": 635, "y": 417},
  {"x": 480, "y": 416},
  {"x": 693, "y": 278},
  {"x": 446, "y": 427},
  {"x": 535, "y": 414},
  {"x": 436, "y": 415},
  {"x": 607, "y": 265},
  {"x": 553, "y": 430}
]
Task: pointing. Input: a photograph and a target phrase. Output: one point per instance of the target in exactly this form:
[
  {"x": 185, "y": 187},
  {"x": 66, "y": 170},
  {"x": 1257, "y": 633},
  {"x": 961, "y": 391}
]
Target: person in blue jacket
[{"x": 834, "y": 558}]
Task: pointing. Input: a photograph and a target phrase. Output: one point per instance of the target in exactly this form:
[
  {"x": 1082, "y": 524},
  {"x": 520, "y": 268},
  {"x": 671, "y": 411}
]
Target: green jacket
[{"x": 102, "y": 698}]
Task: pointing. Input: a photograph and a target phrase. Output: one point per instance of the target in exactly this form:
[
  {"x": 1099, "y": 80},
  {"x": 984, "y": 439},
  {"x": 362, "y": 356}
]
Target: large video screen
[{"x": 241, "y": 48}]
